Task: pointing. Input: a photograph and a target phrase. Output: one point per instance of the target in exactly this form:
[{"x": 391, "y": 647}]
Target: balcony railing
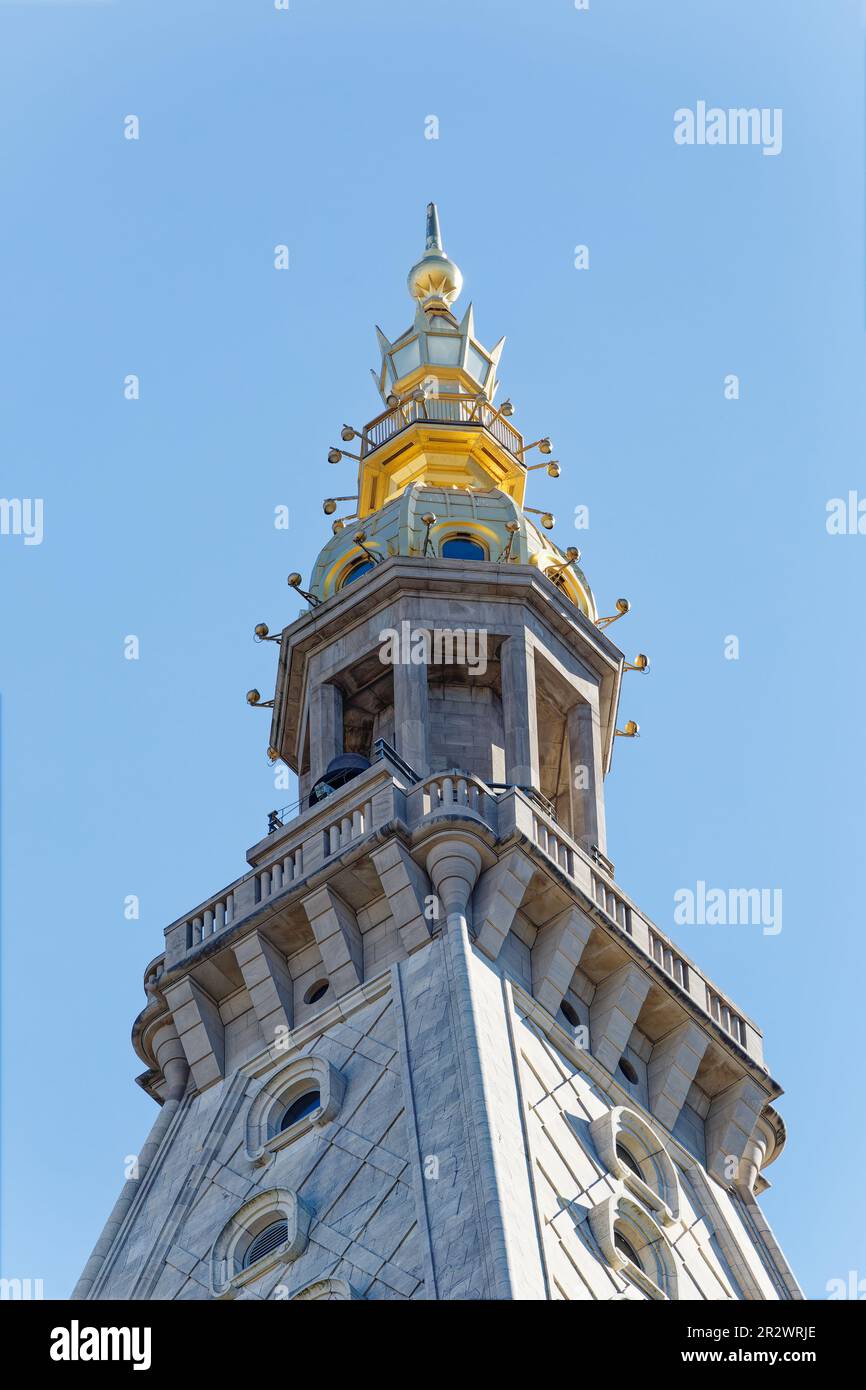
[{"x": 444, "y": 409}]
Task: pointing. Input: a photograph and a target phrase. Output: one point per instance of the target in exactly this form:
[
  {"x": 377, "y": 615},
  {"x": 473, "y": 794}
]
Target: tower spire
[
  {"x": 434, "y": 236},
  {"x": 435, "y": 281}
]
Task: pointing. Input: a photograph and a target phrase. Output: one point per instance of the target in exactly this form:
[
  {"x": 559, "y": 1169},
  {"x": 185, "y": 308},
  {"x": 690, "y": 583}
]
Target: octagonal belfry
[{"x": 425, "y": 1045}]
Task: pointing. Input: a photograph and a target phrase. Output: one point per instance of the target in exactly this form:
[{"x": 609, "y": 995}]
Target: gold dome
[{"x": 435, "y": 281}]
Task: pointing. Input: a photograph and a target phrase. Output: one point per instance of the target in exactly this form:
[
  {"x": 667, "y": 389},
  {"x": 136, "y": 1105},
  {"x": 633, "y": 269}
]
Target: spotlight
[
  {"x": 329, "y": 506},
  {"x": 572, "y": 555},
  {"x": 640, "y": 663},
  {"x": 631, "y": 730},
  {"x": 392, "y": 401},
  {"x": 429, "y": 519},
  {"x": 262, "y": 633},
  {"x": 273, "y": 755},
  {"x": 512, "y": 527},
  {"x": 360, "y": 539},
  {"x": 548, "y": 520},
  {"x": 348, "y": 433},
  {"x": 294, "y": 582},
  {"x": 543, "y": 445},
  {"x": 622, "y": 607},
  {"x": 552, "y": 469},
  {"x": 254, "y": 698},
  {"x": 334, "y": 456}
]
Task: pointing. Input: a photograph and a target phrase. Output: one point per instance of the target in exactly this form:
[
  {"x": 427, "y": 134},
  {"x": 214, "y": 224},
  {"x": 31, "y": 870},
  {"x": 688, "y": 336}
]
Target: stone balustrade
[{"x": 382, "y": 795}]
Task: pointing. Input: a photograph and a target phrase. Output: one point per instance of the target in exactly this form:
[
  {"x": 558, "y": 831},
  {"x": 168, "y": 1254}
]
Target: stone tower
[{"x": 427, "y": 1047}]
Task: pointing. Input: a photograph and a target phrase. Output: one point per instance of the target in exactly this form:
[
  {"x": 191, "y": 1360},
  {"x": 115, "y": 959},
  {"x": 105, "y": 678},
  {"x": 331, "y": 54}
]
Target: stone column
[
  {"x": 411, "y": 718},
  {"x": 585, "y": 776},
  {"x": 326, "y": 727},
  {"x": 519, "y": 715}
]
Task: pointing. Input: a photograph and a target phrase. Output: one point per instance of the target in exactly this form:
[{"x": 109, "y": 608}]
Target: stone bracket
[
  {"x": 556, "y": 955},
  {"x": 337, "y": 934},
  {"x": 672, "y": 1068},
  {"x": 200, "y": 1029},
  {"x": 269, "y": 984},
  {"x": 618, "y": 1001},
  {"x": 497, "y": 898},
  {"x": 406, "y": 886},
  {"x": 731, "y": 1119}
]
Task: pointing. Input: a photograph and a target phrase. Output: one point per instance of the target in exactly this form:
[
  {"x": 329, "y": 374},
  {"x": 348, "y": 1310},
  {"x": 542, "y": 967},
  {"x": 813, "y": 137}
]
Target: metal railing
[
  {"x": 445, "y": 409},
  {"x": 277, "y": 820}
]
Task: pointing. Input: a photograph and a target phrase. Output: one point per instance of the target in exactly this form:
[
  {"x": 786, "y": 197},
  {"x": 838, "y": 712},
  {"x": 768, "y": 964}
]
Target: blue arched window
[
  {"x": 355, "y": 572},
  {"x": 462, "y": 548},
  {"x": 300, "y": 1108}
]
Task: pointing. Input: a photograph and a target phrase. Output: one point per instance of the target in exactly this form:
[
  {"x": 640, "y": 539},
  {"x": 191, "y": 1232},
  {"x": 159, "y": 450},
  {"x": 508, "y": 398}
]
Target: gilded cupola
[{"x": 442, "y": 470}]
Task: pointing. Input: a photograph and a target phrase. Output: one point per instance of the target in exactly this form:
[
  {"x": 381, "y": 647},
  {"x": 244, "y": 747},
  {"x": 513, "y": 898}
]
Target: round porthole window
[
  {"x": 316, "y": 992},
  {"x": 569, "y": 1013},
  {"x": 628, "y": 1071}
]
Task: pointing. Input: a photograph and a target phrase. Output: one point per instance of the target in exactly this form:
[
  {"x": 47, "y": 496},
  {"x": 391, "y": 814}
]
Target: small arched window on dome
[
  {"x": 462, "y": 547},
  {"x": 556, "y": 575},
  {"x": 355, "y": 571}
]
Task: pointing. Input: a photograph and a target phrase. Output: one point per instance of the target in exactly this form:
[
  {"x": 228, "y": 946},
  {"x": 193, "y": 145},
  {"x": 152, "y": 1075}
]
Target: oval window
[{"x": 628, "y": 1071}]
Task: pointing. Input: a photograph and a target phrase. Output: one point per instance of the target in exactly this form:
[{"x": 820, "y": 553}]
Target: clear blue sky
[{"x": 155, "y": 257}]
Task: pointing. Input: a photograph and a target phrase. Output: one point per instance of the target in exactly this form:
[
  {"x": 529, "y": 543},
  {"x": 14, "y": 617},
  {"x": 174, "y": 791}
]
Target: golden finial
[{"x": 435, "y": 281}]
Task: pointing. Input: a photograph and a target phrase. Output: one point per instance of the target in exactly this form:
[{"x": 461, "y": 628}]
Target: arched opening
[{"x": 462, "y": 548}]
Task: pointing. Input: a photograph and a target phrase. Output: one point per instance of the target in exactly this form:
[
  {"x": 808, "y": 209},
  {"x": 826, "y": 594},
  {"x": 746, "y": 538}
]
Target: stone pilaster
[
  {"x": 519, "y": 712},
  {"x": 585, "y": 767}
]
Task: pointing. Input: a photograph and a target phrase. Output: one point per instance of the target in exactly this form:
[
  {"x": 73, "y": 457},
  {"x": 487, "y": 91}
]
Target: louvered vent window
[{"x": 266, "y": 1241}]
